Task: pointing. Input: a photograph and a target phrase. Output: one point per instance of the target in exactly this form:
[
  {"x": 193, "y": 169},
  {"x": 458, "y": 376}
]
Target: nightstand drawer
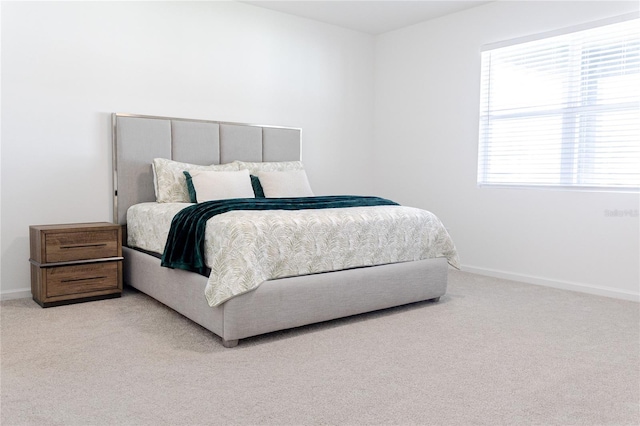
[
  {"x": 78, "y": 279},
  {"x": 81, "y": 245}
]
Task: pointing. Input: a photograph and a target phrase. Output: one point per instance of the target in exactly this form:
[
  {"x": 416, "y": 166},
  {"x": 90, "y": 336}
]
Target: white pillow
[
  {"x": 169, "y": 180},
  {"x": 269, "y": 166},
  {"x": 221, "y": 185},
  {"x": 292, "y": 183}
]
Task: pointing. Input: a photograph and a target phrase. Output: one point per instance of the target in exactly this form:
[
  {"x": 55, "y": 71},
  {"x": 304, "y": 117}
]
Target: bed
[{"x": 276, "y": 303}]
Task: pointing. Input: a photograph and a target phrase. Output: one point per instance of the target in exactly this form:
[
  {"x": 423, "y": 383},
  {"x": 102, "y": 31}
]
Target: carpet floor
[{"x": 491, "y": 352}]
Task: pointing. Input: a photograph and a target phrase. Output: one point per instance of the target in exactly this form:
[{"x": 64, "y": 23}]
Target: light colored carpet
[{"x": 491, "y": 352}]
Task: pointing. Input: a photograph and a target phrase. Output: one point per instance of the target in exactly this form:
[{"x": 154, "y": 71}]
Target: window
[{"x": 563, "y": 110}]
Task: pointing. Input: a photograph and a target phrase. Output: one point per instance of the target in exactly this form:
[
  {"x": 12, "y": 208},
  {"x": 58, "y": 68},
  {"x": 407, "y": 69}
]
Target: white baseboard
[
  {"x": 563, "y": 285},
  {"x": 15, "y": 294}
]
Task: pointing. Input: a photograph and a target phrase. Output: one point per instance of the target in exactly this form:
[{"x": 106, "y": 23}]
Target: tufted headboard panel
[{"x": 138, "y": 139}]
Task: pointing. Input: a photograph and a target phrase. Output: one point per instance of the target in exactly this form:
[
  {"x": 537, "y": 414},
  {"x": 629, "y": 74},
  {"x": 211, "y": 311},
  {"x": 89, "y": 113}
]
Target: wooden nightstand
[{"x": 75, "y": 262}]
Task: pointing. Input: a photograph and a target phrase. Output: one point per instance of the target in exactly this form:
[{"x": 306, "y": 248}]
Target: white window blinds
[{"x": 563, "y": 111}]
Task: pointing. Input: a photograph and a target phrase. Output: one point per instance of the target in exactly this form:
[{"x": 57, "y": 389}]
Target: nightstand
[{"x": 75, "y": 262}]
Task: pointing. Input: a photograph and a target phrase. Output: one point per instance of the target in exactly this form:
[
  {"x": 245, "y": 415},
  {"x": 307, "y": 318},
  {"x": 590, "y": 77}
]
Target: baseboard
[
  {"x": 563, "y": 285},
  {"x": 15, "y": 294}
]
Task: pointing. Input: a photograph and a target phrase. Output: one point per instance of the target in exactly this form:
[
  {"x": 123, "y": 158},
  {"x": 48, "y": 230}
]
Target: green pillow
[
  {"x": 257, "y": 187},
  {"x": 190, "y": 187}
]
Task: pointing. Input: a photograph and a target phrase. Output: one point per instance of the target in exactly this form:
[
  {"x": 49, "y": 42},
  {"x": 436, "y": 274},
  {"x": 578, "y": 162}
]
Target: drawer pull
[
  {"x": 75, "y": 246},
  {"x": 82, "y": 279}
]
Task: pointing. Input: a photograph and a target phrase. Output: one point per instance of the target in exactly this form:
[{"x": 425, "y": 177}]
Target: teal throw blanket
[{"x": 185, "y": 243}]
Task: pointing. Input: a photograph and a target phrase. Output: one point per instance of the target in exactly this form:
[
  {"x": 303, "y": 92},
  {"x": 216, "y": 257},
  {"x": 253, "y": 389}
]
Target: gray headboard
[{"x": 138, "y": 139}]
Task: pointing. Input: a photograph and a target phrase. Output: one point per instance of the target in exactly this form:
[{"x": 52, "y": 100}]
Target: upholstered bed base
[
  {"x": 274, "y": 305},
  {"x": 287, "y": 302}
]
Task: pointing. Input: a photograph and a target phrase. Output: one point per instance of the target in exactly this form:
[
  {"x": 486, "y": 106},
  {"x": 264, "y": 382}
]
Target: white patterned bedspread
[{"x": 245, "y": 248}]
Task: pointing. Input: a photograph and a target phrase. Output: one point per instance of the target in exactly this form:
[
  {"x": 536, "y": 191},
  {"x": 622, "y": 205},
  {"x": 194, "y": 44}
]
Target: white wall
[
  {"x": 66, "y": 66},
  {"x": 426, "y": 135}
]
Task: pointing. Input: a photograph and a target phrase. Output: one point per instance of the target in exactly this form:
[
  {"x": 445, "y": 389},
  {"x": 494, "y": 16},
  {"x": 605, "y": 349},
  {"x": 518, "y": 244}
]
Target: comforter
[{"x": 244, "y": 248}]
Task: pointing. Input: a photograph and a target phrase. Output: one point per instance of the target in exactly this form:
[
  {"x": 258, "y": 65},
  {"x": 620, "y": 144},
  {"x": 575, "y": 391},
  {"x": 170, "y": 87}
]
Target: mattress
[{"x": 245, "y": 248}]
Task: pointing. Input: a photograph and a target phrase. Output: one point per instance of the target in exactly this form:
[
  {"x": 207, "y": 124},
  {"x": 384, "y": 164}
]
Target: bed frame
[{"x": 276, "y": 304}]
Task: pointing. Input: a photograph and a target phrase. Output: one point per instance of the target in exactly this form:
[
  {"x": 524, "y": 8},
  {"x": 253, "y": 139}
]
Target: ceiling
[{"x": 372, "y": 17}]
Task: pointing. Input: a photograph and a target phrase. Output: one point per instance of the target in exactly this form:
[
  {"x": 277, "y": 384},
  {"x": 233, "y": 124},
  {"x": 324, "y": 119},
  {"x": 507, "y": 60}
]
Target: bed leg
[
  {"x": 434, "y": 300},
  {"x": 229, "y": 343}
]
